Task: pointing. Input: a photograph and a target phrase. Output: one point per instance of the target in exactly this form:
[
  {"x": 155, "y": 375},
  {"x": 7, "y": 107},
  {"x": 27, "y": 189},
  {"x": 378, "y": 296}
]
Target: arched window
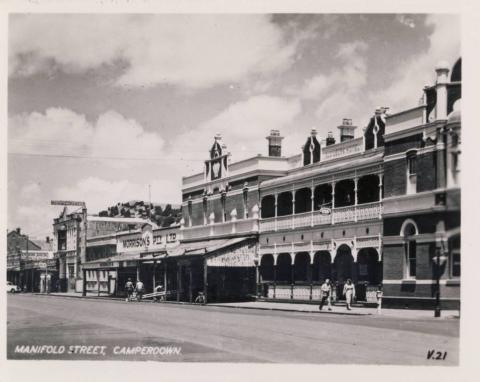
[{"x": 409, "y": 232}]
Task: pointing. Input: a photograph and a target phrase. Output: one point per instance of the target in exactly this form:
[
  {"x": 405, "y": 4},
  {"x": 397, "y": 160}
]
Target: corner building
[
  {"x": 380, "y": 208},
  {"x": 422, "y": 197}
]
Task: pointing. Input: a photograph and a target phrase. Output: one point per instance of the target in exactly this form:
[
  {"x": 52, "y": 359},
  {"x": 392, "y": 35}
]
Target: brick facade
[
  {"x": 395, "y": 178},
  {"x": 426, "y": 171}
]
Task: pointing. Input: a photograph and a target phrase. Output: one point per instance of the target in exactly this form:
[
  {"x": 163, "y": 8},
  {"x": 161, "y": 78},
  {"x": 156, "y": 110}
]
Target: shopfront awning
[
  {"x": 124, "y": 260},
  {"x": 199, "y": 248}
]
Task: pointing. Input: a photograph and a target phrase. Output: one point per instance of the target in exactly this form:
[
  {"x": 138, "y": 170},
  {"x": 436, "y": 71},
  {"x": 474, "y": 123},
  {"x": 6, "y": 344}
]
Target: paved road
[{"x": 166, "y": 332}]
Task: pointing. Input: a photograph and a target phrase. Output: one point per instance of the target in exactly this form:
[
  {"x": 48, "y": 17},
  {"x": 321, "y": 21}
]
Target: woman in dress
[{"x": 349, "y": 292}]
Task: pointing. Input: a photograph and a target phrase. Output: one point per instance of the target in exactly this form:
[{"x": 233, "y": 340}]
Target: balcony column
[
  {"x": 380, "y": 185},
  {"x": 312, "y": 200},
  {"x": 274, "y": 277},
  {"x": 205, "y": 281},
  {"x": 84, "y": 285},
  {"x": 310, "y": 273},
  {"x": 98, "y": 282},
  {"x": 257, "y": 278},
  {"x": 333, "y": 202},
  {"x": 154, "y": 278},
  {"x": 293, "y": 208},
  {"x": 179, "y": 281},
  {"x": 355, "y": 190},
  {"x": 276, "y": 210},
  {"x": 292, "y": 275}
]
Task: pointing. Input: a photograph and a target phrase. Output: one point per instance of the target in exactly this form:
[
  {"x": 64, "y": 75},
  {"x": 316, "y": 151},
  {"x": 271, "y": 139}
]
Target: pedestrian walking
[
  {"x": 139, "y": 289},
  {"x": 326, "y": 294},
  {"x": 129, "y": 289},
  {"x": 349, "y": 292},
  {"x": 379, "y": 298}
]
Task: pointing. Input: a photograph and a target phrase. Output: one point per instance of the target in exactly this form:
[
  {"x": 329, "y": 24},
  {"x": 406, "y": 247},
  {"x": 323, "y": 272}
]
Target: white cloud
[
  {"x": 416, "y": 72},
  {"x": 243, "y": 126},
  {"x": 63, "y": 132},
  {"x": 340, "y": 93},
  {"x": 349, "y": 76},
  {"x": 30, "y": 191},
  {"x": 29, "y": 210},
  {"x": 194, "y": 51}
]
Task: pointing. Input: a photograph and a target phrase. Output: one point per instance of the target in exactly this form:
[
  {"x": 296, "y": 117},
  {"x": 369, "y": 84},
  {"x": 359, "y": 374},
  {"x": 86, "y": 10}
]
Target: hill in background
[{"x": 164, "y": 215}]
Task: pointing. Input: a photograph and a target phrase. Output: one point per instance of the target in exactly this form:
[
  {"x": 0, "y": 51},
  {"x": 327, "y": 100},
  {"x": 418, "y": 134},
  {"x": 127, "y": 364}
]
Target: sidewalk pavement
[{"x": 290, "y": 307}]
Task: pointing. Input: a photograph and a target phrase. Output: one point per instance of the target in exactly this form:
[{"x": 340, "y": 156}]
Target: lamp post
[{"x": 439, "y": 261}]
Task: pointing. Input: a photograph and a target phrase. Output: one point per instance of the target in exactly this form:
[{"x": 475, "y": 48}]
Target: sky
[{"x": 100, "y": 106}]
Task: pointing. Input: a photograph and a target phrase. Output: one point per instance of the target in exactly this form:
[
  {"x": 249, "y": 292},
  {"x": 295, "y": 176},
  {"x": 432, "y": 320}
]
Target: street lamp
[{"x": 439, "y": 261}]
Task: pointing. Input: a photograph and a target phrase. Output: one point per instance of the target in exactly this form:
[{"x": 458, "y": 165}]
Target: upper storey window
[{"x": 412, "y": 172}]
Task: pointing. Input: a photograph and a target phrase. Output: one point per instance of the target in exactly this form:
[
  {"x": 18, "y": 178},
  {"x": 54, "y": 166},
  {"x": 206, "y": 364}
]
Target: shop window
[{"x": 455, "y": 263}]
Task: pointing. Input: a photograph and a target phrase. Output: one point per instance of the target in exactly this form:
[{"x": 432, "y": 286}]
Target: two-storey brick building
[{"x": 422, "y": 196}]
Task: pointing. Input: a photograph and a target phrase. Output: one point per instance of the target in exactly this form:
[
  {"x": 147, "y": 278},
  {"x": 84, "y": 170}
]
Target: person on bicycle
[{"x": 129, "y": 289}]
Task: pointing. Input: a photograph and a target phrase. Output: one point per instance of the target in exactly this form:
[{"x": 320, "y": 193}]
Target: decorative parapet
[
  {"x": 343, "y": 149},
  {"x": 405, "y": 119},
  {"x": 241, "y": 226}
]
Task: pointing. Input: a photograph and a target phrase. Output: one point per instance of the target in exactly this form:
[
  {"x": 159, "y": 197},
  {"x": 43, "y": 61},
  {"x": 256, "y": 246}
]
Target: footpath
[{"x": 338, "y": 309}]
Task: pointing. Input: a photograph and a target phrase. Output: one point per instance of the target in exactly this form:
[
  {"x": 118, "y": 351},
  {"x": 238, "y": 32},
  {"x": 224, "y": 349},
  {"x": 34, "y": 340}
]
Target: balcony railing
[
  {"x": 361, "y": 212},
  {"x": 241, "y": 226}
]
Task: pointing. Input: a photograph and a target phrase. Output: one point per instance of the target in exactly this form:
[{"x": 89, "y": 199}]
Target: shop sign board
[
  {"x": 145, "y": 241},
  {"x": 67, "y": 203},
  {"x": 243, "y": 256}
]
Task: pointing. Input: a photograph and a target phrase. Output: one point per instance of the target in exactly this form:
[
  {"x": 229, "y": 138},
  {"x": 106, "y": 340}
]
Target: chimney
[
  {"x": 274, "y": 144},
  {"x": 330, "y": 139},
  {"x": 347, "y": 130},
  {"x": 442, "y": 80},
  {"x": 19, "y": 231}
]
